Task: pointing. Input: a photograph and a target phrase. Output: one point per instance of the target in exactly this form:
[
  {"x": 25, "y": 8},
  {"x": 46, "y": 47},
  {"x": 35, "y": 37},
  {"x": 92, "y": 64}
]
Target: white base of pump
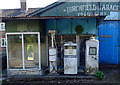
[
  {"x": 70, "y": 65},
  {"x": 53, "y": 60}
]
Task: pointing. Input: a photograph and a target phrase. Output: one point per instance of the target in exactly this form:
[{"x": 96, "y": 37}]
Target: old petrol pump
[
  {"x": 53, "y": 54},
  {"x": 70, "y": 58},
  {"x": 91, "y": 59}
]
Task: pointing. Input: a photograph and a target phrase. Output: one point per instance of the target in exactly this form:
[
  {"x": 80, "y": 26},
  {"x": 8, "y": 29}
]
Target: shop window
[
  {"x": 3, "y": 42},
  {"x": 23, "y": 51},
  {"x": 2, "y": 27},
  {"x": 31, "y": 51},
  {"x": 15, "y": 51}
]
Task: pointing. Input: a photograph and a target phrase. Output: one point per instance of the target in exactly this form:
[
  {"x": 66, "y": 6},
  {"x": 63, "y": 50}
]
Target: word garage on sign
[{"x": 91, "y": 8}]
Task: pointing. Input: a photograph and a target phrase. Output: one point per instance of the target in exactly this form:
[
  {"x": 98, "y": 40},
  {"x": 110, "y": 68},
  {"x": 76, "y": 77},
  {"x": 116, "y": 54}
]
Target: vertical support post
[
  {"x": 7, "y": 52},
  {"x": 23, "y": 51},
  {"x": 39, "y": 51},
  {"x": 78, "y": 49},
  {"x": 62, "y": 47},
  {"x": 71, "y": 24},
  {"x": 52, "y": 42},
  {"x": 47, "y": 49}
]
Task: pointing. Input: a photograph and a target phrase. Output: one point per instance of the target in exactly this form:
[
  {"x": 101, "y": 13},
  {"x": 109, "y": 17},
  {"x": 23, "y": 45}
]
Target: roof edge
[{"x": 46, "y": 8}]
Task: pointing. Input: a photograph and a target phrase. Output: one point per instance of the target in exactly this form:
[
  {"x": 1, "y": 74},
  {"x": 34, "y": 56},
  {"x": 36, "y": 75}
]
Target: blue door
[{"x": 108, "y": 52}]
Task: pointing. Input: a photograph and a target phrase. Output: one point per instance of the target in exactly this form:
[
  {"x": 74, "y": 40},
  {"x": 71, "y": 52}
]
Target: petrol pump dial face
[
  {"x": 70, "y": 50},
  {"x": 92, "y": 51}
]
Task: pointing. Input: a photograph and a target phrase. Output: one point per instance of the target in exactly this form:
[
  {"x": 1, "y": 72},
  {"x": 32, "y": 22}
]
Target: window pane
[
  {"x": 31, "y": 51},
  {"x": 15, "y": 51}
]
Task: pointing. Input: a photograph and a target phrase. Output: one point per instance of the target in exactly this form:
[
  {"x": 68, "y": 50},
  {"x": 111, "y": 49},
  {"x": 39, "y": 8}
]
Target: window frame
[{"x": 39, "y": 50}]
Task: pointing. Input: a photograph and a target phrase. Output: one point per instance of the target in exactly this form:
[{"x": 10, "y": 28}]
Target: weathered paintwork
[
  {"x": 25, "y": 26},
  {"x": 109, "y": 37},
  {"x": 70, "y": 58},
  {"x": 77, "y": 9},
  {"x": 53, "y": 60},
  {"x": 92, "y": 56},
  {"x": 67, "y": 26},
  {"x": 70, "y": 66}
]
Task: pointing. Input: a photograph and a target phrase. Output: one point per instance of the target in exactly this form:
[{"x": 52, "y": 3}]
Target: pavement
[{"x": 111, "y": 72}]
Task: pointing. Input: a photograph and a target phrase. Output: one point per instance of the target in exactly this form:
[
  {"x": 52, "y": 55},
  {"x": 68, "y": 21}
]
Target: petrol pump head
[
  {"x": 52, "y": 36},
  {"x": 52, "y": 32},
  {"x": 92, "y": 37}
]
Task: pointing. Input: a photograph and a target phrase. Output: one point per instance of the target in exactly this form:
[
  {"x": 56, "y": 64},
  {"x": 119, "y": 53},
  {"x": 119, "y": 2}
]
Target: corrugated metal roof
[
  {"x": 17, "y": 12},
  {"x": 46, "y": 8}
]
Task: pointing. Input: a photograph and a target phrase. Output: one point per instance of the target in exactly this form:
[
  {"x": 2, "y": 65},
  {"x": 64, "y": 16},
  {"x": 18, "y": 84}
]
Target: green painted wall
[
  {"x": 25, "y": 26},
  {"x": 67, "y": 26}
]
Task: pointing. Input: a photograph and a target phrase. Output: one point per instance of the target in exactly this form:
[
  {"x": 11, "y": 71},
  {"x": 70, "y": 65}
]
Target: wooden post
[{"x": 78, "y": 48}]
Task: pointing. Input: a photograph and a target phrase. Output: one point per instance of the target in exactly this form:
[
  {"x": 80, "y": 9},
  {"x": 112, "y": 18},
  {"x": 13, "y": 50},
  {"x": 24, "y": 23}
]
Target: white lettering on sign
[
  {"x": 109, "y": 7},
  {"x": 91, "y": 8}
]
